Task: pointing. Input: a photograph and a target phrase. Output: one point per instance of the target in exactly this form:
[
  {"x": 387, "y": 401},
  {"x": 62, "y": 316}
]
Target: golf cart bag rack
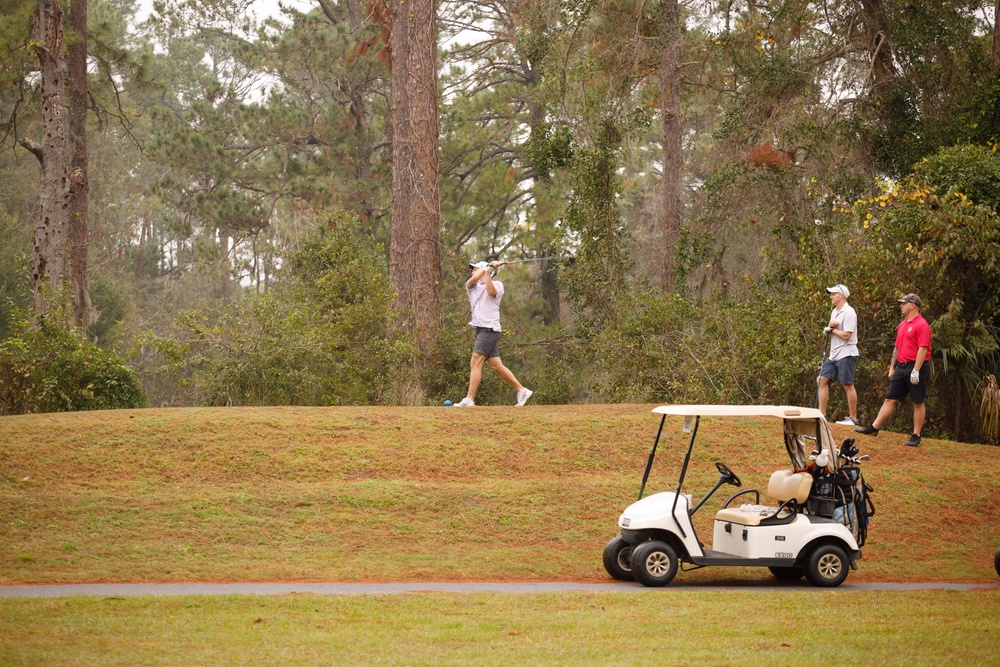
[{"x": 846, "y": 494}]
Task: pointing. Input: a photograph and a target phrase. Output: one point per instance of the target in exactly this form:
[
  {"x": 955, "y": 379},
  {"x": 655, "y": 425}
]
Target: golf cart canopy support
[{"x": 805, "y": 430}]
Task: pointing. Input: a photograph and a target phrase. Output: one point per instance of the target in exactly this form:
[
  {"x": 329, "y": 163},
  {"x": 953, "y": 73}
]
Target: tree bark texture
[
  {"x": 49, "y": 242},
  {"x": 673, "y": 157},
  {"x": 79, "y": 218},
  {"x": 414, "y": 250},
  {"x": 996, "y": 35}
]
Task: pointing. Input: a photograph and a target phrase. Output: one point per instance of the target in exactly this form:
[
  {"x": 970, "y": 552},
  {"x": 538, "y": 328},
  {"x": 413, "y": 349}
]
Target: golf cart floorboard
[{"x": 720, "y": 558}]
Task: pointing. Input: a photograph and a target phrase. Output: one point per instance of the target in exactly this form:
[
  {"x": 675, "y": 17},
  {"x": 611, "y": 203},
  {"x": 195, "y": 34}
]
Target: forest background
[{"x": 686, "y": 178}]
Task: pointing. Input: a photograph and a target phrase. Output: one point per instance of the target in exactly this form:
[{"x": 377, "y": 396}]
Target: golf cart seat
[{"x": 790, "y": 489}]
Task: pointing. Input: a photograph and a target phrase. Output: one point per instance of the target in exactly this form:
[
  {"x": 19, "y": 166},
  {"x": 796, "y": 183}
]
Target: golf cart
[{"x": 815, "y": 528}]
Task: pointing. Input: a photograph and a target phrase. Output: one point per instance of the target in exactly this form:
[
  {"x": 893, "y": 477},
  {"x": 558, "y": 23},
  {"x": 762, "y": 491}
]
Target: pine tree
[{"x": 414, "y": 248}]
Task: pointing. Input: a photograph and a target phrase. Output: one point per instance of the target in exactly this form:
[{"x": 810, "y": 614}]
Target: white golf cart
[{"x": 815, "y": 527}]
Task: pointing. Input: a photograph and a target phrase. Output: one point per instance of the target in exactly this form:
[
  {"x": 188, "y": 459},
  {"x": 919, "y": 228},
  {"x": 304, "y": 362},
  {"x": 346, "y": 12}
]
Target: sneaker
[
  {"x": 465, "y": 403},
  {"x": 523, "y": 396},
  {"x": 849, "y": 421},
  {"x": 867, "y": 430},
  {"x": 914, "y": 441}
]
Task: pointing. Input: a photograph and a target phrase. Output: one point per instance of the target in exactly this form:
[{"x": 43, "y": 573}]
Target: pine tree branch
[{"x": 33, "y": 147}]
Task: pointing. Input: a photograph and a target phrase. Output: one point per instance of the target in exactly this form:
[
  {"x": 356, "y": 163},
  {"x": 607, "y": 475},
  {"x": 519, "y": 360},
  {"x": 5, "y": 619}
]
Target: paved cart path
[{"x": 119, "y": 590}]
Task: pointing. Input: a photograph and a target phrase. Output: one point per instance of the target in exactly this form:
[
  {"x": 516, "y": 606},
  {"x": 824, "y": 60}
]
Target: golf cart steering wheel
[{"x": 727, "y": 475}]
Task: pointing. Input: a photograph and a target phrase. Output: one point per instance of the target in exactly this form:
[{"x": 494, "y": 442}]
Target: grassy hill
[{"x": 407, "y": 494}]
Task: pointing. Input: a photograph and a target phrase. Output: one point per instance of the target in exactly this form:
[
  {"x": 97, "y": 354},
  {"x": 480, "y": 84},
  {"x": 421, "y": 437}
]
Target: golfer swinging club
[{"x": 484, "y": 300}]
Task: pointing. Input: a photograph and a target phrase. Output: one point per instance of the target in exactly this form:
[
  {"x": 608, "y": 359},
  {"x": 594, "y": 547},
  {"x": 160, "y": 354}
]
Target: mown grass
[
  {"x": 806, "y": 627},
  {"x": 409, "y": 494}
]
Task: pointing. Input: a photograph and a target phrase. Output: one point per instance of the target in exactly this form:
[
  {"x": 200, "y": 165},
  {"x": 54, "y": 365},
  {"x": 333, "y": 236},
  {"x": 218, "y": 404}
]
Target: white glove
[
  {"x": 827, "y": 330},
  {"x": 914, "y": 376}
]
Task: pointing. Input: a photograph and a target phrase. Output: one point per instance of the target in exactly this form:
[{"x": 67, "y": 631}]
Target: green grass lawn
[
  {"x": 651, "y": 627},
  {"x": 431, "y": 494},
  {"x": 410, "y": 494}
]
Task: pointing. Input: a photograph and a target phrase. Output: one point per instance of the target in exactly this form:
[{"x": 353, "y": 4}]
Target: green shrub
[
  {"x": 15, "y": 291},
  {"x": 972, "y": 170},
  {"x": 319, "y": 337},
  {"x": 109, "y": 295},
  {"x": 47, "y": 368}
]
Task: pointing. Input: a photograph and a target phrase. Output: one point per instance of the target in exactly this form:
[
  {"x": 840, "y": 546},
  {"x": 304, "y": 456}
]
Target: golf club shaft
[
  {"x": 826, "y": 346},
  {"x": 536, "y": 259}
]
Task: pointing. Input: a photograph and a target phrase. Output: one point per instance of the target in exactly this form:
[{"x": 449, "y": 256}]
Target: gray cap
[{"x": 911, "y": 298}]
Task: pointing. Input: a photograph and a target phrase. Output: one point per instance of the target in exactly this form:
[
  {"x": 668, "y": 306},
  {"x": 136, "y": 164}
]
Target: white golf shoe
[{"x": 523, "y": 396}]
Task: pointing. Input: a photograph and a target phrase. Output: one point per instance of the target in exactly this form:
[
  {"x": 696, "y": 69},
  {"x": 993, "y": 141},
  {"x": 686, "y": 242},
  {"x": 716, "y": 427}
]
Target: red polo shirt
[{"x": 911, "y": 335}]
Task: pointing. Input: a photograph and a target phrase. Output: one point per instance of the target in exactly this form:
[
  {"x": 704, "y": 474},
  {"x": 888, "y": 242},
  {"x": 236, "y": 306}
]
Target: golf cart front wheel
[
  {"x": 792, "y": 573},
  {"x": 828, "y": 566},
  {"x": 617, "y": 559},
  {"x": 654, "y": 563}
]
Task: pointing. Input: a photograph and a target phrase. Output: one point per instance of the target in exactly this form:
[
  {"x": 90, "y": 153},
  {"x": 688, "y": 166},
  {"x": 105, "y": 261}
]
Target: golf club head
[{"x": 848, "y": 448}]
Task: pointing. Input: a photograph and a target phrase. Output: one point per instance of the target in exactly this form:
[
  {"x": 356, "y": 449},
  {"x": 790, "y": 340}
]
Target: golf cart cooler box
[{"x": 756, "y": 542}]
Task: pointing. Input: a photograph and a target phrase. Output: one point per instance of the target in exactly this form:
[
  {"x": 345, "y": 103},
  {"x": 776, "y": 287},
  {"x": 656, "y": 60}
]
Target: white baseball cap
[
  {"x": 479, "y": 265},
  {"x": 840, "y": 289}
]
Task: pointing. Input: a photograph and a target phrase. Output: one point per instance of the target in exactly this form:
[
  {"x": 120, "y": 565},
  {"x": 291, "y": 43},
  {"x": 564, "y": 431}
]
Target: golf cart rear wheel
[
  {"x": 996, "y": 561},
  {"x": 787, "y": 573},
  {"x": 654, "y": 563},
  {"x": 828, "y": 566},
  {"x": 617, "y": 555}
]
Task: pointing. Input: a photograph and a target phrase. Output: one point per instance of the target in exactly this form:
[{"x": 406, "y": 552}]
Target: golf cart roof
[
  {"x": 780, "y": 411},
  {"x": 804, "y": 429}
]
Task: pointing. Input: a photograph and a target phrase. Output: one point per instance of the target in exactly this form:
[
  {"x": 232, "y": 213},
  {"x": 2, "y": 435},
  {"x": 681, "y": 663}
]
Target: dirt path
[{"x": 118, "y": 590}]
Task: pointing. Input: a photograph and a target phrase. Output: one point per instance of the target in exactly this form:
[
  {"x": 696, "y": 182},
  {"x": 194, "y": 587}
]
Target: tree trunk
[
  {"x": 876, "y": 35},
  {"x": 996, "y": 35},
  {"x": 143, "y": 238},
  {"x": 48, "y": 266},
  {"x": 79, "y": 184},
  {"x": 414, "y": 251},
  {"x": 550, "y": 289},
  {"x": 673, "y": 158},
  {"x": 225, "y": 268}
]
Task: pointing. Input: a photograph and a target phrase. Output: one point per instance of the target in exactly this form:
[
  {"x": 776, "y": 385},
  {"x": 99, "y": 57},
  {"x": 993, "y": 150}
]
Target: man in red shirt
[{"x": 909, "y": 370}]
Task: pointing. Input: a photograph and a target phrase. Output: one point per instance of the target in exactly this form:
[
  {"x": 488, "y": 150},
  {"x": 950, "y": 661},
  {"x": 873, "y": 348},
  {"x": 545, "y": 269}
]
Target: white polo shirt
[
  {"x": 485, "y": 308},
  {"x": 847, "y": 320}
]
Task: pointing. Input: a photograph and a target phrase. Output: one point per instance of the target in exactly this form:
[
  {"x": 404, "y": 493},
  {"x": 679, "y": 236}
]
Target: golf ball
[{"x": 447, "y": 403}]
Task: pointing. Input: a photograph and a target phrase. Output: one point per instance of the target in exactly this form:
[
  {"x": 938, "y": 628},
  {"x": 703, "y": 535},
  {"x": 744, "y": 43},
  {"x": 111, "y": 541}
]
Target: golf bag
[
  {"x": 844, "y": 497},
  {"x": 854, "y": 503}
]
